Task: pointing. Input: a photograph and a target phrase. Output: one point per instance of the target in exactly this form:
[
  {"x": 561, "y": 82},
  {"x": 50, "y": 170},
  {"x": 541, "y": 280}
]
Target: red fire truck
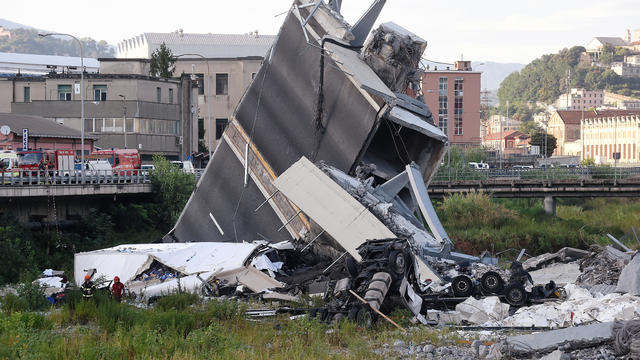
[
  {"x": 60, "y": 162},
  {"x": 123, "y": 161}
]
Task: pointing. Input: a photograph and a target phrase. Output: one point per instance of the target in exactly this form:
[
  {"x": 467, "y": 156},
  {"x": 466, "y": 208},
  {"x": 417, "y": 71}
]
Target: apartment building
[
  {"x": 580, "y": 99},
  {"x": 453, "y": 95},
  {"x": 606, "y": 133}
]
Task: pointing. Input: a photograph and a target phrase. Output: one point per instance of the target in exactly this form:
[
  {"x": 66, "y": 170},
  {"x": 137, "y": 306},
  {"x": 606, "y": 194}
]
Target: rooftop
[
  {"x": 574, "y": 117},
  {"x": 39, "y": 126},
  {"x": 615, "y": 41},
  {"x": 207, "y": 45},
  {"x": 30, "y": 63}
]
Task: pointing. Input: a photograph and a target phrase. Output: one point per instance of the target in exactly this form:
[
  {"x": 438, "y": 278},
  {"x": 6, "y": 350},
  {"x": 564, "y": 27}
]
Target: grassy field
[
  {"x": 182, "y": 327},
  {"x": 476, "y": 222}
]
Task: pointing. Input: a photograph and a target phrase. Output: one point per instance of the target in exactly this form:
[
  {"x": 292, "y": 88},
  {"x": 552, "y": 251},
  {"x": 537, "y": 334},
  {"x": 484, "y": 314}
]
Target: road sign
[
  {"x": 5, "y": 130},
  {"x": 25, "y": 139}
]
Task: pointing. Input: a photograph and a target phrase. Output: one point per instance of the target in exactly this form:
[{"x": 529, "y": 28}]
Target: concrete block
[
  {"x": 629, "y": 280},
  {"x": 551, "y": 340}
]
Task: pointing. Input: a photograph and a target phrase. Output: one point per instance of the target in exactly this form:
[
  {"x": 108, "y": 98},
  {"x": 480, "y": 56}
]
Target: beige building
[
  {"x": 617, "y": 101},
  {"x": 580, "y": 99},
  {"x": 612, "y": 131},
  {"x": 508, "y": 124},
  {"x": 223, "y": 64},
  {"x": 595, "y": 46},
  {"x": 565, "y": 127}
]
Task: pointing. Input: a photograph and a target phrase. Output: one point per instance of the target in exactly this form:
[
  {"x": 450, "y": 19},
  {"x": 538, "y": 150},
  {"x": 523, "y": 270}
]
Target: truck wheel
[
  {"x": 492, "y": 283},
  {"x": 353, "y": 313},
  {"x": 364, "y": 317},
  {"x": 515, "y": 294},
  {"x": 462, "y": 286},
  {"x": 398, "y": 262}
]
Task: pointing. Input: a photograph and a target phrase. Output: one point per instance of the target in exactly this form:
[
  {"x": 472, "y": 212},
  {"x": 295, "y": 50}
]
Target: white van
[
  {"x": 186, "y": 166},
  {"x": 479, "y": 165},
  {"x": 9, "y": 163},
  {"x": 99, "y": 168}
]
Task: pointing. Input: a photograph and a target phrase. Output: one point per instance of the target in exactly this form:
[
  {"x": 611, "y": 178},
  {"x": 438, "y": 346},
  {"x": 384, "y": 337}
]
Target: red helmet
[
  {"x": 87, "y": 277},
  {"x": 116, "y": 279}
]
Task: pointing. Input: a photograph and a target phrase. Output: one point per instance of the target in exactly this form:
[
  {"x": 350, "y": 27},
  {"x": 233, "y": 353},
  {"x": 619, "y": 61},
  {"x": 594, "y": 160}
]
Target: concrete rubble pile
[{"x": 603, "y": 266}]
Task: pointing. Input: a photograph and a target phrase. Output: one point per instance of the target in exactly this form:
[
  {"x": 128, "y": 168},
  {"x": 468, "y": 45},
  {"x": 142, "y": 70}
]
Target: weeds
[{"x": 477, "y": 222}]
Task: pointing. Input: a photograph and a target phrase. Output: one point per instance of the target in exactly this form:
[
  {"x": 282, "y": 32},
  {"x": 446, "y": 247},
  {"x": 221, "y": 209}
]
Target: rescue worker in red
[{"x": 117, "y": 289}]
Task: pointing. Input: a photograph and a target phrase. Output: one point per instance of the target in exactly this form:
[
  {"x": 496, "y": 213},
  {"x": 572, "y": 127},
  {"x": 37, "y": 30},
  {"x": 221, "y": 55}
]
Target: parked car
[
  {"x": 147, "y": 168},
  {"x": 186, "y": 166},
  {"x": 479, "y": 165}
]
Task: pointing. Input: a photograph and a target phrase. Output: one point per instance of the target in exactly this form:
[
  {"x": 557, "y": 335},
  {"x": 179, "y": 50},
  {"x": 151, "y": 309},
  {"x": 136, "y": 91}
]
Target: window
[
  {"x": 222, "y": 84},
  {"x": 170, "y": 96},
  {"x": 64, "y": 92},
  {"x": 443, "y": 104},
  {"x": 221, "y": 124},
  {"x": 200, "y": 84},
  {"x": 99, "y": 92},
  {"x": 158, "y": 94},
  {"x": 457, "y": 106},
  {"x": 27, "y": 94}
]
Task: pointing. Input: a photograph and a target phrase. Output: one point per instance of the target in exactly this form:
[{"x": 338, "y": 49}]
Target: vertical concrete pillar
[{"x": 550, "y": 205}]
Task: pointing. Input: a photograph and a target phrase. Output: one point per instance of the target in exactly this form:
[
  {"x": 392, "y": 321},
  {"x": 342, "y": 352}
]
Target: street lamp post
[
  {"x": 205, "y": 97},
  {"x": 124, "y": 118},
  {"x": 81, "y": 95}
]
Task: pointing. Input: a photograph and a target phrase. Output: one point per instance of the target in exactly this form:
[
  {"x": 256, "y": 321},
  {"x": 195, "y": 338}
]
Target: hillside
[
  {"x": 8, "y": 24},
  {"x": 25, "y": 39},
  {"x": 545, "y": 78}
]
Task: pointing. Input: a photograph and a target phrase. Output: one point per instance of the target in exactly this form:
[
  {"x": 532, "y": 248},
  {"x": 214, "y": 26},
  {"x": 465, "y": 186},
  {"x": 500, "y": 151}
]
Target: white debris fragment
[
  {"x": 582, "y": 304},
  {"x": 560, "y": 273},
  {"x": 488, "y": 311}
]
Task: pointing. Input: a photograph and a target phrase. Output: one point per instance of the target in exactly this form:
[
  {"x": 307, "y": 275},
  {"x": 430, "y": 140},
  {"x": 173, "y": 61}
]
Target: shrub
[
  {"x": 474, "y": 209},
  {"x": 177, "y": 301}
]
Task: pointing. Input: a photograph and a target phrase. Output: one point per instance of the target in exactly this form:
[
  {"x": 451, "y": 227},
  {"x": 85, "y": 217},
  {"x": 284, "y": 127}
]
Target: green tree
[
  {"x": 538, "y": 139},
  {"x": 606, "y": 57},
  {"x": 529, "y": 127},
  {"x": 163, "y": 62},
  {"x": 172, "y": 188},
  {"x": 16, "y": 251}
]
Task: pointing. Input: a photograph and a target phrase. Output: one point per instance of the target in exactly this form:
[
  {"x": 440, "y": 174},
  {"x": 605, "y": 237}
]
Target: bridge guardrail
[
  {"x": 66, "y": 177},
  {"x": 462, "y": 174}
]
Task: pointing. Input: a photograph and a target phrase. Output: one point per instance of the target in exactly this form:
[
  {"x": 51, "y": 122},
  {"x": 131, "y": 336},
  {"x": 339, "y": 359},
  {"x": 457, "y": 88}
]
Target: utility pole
[
  {"x": 124, "y": 118},
  {"x": 616, "y": 155}
]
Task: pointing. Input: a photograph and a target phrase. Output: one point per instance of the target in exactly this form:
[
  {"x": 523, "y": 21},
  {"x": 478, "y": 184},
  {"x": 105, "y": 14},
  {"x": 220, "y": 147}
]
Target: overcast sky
[{"x": 496, "y": 30}]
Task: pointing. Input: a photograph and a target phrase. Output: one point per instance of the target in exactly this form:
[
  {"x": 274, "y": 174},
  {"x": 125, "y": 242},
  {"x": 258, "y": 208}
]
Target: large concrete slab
[
  {"x": 550, "y": 340},
  {"x": 330, "y": 206}
]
